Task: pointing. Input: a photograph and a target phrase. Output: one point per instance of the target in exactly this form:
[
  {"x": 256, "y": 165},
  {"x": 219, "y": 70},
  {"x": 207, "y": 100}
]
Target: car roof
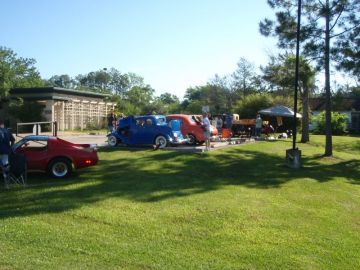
[
  {"x": 178, "y": 115},
  {"x": 37, "y": 137},
  {"x": 150, "y": 116}
]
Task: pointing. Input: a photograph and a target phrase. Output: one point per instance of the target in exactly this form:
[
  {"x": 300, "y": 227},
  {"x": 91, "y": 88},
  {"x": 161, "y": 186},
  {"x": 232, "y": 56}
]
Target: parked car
[
  {"x": 147, "y": 129},
  {"x": 191, "y": 127},
  {"x": 54, "y": 155}
]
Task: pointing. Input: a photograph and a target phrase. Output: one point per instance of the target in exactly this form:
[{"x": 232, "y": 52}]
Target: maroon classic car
[
  {"x": 191, "y": 127},
  {"x": 54, "y": 155}
]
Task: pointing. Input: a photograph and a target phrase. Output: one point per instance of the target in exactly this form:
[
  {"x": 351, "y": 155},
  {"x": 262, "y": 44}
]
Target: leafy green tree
[
  {"x": 17, "y": 72},
  {"x": 63, "y": 81},
  {"x": 326, "y": 24},
  {"x": 27, "y": 111},
  {"x": 207, "y": 95},
  {"x": 225, "y": 84},
  {"x": 109, "y": 81},
  {"x": 168, "y": 98},
  {"x": 243, "y": 78},
  {"x": 140, "y": 100},
  {"x": 98, "y": 81},
  {"x": 338, "y": 123},
  {"x": 248, "y": 106}
]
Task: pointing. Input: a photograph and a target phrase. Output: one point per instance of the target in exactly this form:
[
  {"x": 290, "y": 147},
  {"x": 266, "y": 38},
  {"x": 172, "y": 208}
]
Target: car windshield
[{"x": 194, "y": 119}]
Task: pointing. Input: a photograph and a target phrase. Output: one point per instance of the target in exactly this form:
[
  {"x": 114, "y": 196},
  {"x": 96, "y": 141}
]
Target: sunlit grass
[{"x": 237, "y": 208}]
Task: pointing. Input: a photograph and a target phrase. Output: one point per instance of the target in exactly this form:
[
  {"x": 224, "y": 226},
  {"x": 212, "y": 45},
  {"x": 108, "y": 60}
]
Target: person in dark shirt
[
  {"x": 111, "y": 122},
  {"x": 6, "y": 141}
]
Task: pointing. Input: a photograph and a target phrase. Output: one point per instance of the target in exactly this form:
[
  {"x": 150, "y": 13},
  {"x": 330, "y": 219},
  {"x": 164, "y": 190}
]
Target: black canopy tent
[
  {"x": 280, "y": 117},
  {"x": 281, "y": 111}
]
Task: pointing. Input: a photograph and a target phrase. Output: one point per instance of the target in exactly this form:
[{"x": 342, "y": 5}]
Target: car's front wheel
[
  {"x": 60, "y": 168},
  {"x": 112, "y": 141},
  {"x": 161, "y": 141}
]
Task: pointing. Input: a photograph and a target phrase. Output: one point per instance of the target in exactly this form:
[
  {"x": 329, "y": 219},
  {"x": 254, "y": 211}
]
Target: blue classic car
[{"x": 147, "y": 129}]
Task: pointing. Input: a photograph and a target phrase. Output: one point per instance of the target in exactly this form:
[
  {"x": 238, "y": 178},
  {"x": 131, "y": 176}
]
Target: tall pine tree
[{"x": 325, "y": 24}]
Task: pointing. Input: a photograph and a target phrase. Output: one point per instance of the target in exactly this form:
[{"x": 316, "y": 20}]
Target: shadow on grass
[{"x": 150, "y": 176}]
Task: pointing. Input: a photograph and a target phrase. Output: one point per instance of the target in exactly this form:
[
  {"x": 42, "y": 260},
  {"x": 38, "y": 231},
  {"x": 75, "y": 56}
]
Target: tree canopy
[{"x": 17, "y": 71}]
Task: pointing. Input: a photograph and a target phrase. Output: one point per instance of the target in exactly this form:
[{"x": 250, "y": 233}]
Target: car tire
[
  {"x": 60, "y": 168},
  {"x": 112, "y": 141},
  {"x": 161, "y": 141},
  {"x": 192, "y": 139}
]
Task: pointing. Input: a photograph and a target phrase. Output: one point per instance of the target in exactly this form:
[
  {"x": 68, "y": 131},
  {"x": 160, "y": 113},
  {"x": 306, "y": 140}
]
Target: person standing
[
  {"x": 111, "y": 122},
  {"x": 6, "y": 141},
  {"x": 206, "y": 126},
  {"x": 258, "y": 126}
]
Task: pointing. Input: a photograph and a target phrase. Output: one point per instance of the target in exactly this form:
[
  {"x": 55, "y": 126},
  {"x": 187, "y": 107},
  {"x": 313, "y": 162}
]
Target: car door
[
  {"x": 149, "y": 130},
  {"x": 138, "y": 131},
  {"x": 36, "y": 153}
]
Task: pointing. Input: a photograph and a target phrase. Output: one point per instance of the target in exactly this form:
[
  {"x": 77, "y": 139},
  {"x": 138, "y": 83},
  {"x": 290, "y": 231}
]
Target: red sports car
[
  {"x": 191, "y": 126},
  {"x": 54, "y": 155}
]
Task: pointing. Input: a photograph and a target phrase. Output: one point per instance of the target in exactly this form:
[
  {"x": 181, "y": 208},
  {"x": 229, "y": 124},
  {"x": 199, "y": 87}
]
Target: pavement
[{"x": 101, "y": 141}]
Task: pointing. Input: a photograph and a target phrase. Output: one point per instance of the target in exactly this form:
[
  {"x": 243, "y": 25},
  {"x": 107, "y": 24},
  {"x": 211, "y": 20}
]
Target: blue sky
[{"x": 172, "y": 44}]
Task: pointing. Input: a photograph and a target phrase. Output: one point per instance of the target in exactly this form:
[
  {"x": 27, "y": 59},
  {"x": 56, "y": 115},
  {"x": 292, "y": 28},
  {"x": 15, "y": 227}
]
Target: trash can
[{"x": 293, "y": 158}]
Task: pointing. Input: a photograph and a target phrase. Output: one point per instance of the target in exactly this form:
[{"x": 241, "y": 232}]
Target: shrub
[{"x": 338, "y": 123}]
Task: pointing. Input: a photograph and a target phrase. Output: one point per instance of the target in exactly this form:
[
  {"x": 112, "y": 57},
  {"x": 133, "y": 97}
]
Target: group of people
[{"x": 7, "y": 139}]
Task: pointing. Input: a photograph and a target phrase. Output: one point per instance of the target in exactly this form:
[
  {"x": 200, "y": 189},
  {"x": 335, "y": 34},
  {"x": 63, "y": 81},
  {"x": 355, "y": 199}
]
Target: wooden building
[{"x": 71, "y": 109}]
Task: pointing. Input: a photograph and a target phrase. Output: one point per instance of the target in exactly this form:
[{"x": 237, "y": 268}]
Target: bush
[{"x": 338, "y": 123}]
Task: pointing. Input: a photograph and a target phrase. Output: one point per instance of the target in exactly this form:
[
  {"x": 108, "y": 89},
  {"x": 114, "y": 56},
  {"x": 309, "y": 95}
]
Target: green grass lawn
[{"x": 236, "y": 208}]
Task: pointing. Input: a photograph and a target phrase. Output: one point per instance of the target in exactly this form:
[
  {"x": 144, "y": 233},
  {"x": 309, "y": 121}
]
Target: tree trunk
[
  {"x": 305, "y": 117},
  {"x": 328, "y": 140}
]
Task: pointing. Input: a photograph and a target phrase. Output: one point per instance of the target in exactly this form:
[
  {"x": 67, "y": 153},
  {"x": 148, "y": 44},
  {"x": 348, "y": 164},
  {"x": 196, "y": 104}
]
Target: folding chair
[{"x": 17, "y": 173}]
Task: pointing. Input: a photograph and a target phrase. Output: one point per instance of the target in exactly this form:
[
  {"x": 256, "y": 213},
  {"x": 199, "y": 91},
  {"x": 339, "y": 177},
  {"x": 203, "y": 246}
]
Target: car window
[
  {"x": 161, "y": 121},
  {"x": 148, "y": 122},
  {"x": 191, "y": 118},
  {"x": 34, "y": 144},
  {"x": 139, "y": 122}
]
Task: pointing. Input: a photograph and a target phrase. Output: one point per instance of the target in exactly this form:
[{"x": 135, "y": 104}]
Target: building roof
[
  {"x": 52, "y": 93},
  {"x": 338, "y": 104}
]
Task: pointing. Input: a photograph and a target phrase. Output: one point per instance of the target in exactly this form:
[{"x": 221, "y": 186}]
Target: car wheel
[
  {"x": 161, "y": 141},
  {"x": 112, "y": 141},
  {"x": 192, "y": 139},
  {"x": 60, "y": 168}
]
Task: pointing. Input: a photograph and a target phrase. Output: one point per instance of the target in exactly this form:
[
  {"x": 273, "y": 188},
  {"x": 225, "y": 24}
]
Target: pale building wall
[{"x": 81, "y": 114}]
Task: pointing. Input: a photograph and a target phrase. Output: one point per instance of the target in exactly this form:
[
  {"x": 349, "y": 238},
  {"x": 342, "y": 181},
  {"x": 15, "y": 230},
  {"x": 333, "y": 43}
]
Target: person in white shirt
[{"x": 206, "y": 126}]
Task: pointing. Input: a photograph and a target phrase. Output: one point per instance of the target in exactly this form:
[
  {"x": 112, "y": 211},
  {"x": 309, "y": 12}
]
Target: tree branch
[
  {"x": 321, "y": 3},
  {"x": 332, "y": 27},
  {"x": 346, "y": 30}
]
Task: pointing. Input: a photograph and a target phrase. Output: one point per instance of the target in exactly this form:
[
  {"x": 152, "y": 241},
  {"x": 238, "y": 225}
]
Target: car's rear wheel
[
  {"x": 192, "y": 139},
  {"x": 60, "y": 168},
  {"x": 161, "y": 141},
  {"x": 112, "y": 141}
]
